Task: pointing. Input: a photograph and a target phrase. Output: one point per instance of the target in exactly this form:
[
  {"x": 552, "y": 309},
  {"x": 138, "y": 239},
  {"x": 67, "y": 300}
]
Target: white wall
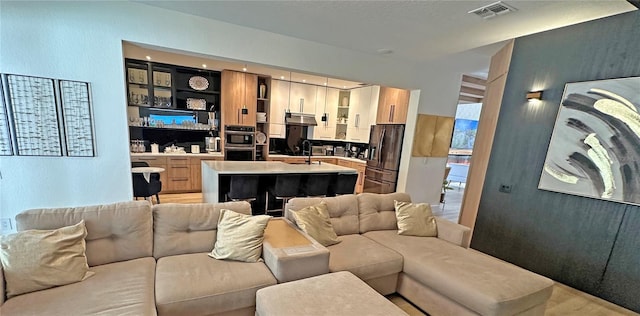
[{"x": 83, "y": 41}]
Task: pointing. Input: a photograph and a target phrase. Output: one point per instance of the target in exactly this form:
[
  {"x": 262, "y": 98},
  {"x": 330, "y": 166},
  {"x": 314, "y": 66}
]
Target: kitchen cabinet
[
  {"x": 362, "y": 113},
  {"x": 178, "y": 174},
  {"x": 393, "y": 105},
  {"x": 239, "y": 98},
  {"x": 196, "y": 172},
  {"x": 303, "y": 98},
  {"x": 326, "y": 103},
  {"x": 279, "y": 104}
]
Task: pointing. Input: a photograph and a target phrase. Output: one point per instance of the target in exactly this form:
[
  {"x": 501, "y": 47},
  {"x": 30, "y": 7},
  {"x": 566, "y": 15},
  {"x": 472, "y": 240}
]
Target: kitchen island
[{"x": 217, "y": 174}]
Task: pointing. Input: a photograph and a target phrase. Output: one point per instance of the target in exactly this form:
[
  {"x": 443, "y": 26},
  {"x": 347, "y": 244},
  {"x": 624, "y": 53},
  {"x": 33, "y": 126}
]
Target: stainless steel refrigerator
[{"x": 383, "y": 162}]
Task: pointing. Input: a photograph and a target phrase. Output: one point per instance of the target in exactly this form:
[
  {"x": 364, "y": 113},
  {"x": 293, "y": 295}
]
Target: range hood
[{"x": 301, "y": 119}]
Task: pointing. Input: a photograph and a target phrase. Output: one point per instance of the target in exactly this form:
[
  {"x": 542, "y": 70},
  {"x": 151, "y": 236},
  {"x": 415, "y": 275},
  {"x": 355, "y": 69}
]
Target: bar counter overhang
[{"x": 216, "y": 173}]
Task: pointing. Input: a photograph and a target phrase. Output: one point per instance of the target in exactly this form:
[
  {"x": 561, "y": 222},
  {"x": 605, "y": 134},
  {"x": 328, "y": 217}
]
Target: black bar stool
[
  {"x": 345, "y": 184},
  {"x": 285, "y": 187},
  {"x": 316, "y": 185},
  {"x": 243, "y": 188}
]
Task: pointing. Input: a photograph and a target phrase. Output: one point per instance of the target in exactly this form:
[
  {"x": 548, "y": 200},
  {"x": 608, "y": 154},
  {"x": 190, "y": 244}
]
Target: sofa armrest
[
  {"x": 453, "y": 233},
  {"x": 291, "y": 254}
]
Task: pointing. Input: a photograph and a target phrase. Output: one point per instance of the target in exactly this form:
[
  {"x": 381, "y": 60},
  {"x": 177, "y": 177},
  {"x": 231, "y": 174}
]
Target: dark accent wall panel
[
  {"x": 621, "y": 282},
  {"x": 589, "y": 244}
]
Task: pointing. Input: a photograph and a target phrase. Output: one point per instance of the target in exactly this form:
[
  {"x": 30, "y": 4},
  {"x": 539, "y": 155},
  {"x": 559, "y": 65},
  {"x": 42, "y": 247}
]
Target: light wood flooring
[{"x": 563, "y": 301}]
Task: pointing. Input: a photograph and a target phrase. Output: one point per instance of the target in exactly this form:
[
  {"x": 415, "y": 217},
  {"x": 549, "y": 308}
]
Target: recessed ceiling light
[
  {"x": 304, "y": 80},
  {"x": 244, "y": 68},
  {"x": 204, "y": 65},
  {"x": 385, "y": 51},
  {"x": 148, "y": 57},
  {"x": 281, "y": 77},
  {"x": 344, "y": 87},
  {"x": 325, "y": 83}
]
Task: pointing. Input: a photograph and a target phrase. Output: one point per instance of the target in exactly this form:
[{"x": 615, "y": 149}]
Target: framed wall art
[{"x": 595, "y": 146}]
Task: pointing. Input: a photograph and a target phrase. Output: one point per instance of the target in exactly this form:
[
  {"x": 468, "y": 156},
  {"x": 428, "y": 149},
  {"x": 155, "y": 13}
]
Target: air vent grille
[{"x": 493, "y": 10}]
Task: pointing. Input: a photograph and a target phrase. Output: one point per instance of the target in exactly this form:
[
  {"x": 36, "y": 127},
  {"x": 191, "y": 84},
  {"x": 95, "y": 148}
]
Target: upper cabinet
[
  {"x": 302, "y": 98},
  {"x": 362, "y": 113},
  {"x": 239, "y": 98},
  {"x": 279, "y": 105},
  {"x": 327, "y": 109},
  {"x": 393, "y": 105}
]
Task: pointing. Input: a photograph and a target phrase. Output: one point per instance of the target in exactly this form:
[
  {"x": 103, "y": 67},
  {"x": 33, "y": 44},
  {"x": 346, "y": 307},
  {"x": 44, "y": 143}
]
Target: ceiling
[{"x": 415, "y": 31}]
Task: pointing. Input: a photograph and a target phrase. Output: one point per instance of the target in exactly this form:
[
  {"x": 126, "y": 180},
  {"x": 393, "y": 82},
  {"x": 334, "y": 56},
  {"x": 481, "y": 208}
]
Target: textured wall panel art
[
  {"x": 595, "y": 146},
  {"x": 35, "y": 115},
  {"x": 5, "y": 135},
  {"x": 76, "y": 112}
]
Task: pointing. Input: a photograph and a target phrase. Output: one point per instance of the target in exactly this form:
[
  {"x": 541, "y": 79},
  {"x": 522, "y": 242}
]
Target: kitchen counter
[
  {"x": 270, "y": 167},
  {"x": 214, "y": 154},
  {"x": 276, "y": 156},
  {"x": 215, "y": 173}
]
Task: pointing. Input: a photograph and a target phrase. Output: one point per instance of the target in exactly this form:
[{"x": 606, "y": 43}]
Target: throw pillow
[
  {"x": 415, "y": 219},
  {"x": 314, "y": 220},
  {"x": 35, "y": 260},
  {"x": 239, "y": 236}
]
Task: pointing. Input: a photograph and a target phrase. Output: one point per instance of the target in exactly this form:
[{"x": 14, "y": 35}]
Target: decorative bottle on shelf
[
  {"x": 345, "y": 101},
  {"x": 263, "y": 90}
]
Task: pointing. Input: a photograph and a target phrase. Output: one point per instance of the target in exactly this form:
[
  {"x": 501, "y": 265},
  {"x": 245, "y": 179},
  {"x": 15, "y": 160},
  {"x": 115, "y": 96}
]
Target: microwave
[{"x": 243, "y": 136}]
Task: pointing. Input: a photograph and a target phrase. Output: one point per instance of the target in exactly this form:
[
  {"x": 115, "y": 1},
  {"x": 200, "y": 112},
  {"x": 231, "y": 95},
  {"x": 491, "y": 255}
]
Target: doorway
[{"x": 461, "y": 149}]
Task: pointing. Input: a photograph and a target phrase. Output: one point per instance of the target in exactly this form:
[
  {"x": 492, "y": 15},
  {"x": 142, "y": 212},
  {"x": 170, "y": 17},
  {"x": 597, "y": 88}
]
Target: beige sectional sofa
[
  {"x": 440, "y": 275},
  {"x": 147, "y": 262}
]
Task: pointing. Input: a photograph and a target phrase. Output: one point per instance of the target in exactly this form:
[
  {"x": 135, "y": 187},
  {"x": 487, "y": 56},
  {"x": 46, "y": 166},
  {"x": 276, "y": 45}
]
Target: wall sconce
[{"x": 534, "y": 95}]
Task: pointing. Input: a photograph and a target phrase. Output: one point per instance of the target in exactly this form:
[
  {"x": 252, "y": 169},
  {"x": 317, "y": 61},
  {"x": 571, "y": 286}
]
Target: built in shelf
[
  {"x": 263, "y": 99},
  {"x": 198, "y": 91},
  {"x": 172, "y": 128}
]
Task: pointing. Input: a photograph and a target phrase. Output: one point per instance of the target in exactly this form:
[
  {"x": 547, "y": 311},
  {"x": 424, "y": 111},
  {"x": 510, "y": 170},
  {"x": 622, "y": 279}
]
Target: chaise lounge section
[{"x": 438, "y": 274}]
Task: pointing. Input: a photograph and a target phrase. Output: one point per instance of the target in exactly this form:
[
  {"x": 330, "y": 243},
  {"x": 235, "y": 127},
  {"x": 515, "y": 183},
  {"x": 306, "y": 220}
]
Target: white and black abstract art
[{"x": 595, "y": 146}]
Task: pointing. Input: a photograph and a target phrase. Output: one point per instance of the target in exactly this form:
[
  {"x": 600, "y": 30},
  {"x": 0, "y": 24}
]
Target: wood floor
[{"x": 563, "y": 301}]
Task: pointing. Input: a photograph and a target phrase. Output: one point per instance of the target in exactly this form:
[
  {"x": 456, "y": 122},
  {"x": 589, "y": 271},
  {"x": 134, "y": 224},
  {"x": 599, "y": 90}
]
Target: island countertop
[{"x": 271, "y": 167}]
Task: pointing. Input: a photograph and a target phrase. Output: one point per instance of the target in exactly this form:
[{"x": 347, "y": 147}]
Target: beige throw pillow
[
  {"x": 35, "y": 260},
  {"x": 239, "y": 236},
  {"x": 415, "y": 219},
  {"x": 314, "y": 220}
]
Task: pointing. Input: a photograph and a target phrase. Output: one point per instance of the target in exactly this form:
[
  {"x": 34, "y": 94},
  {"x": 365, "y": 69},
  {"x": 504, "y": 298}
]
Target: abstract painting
[{"x": 595, "y": 146}]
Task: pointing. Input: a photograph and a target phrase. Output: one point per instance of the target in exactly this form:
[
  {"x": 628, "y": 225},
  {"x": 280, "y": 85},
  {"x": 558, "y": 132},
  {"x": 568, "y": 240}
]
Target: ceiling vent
[{"x": 493, "y": 10}]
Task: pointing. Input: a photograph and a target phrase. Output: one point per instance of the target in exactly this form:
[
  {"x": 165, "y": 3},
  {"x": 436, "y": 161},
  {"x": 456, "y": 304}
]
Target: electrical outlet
[
  {"x": 5, "y": 225},
  {"x": 505, "y": 188}
]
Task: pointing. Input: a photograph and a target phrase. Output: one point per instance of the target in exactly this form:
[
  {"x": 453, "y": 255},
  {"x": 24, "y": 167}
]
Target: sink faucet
[{"x": 306, "y": 147}]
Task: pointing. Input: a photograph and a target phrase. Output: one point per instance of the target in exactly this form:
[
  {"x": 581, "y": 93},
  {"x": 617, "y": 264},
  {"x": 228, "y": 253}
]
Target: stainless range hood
[{"x": 301, "y": 119}]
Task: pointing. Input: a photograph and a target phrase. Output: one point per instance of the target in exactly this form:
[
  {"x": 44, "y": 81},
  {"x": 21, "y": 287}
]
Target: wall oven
[{"x": 239, "y": 143}]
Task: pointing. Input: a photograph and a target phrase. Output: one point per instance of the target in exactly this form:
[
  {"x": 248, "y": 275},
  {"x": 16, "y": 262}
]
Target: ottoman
[{"x": 334, "y": 294}]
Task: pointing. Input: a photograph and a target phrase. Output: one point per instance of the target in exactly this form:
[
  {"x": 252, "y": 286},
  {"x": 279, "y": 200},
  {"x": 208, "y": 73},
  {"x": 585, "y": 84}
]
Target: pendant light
[
  {"x": 326, "y": 94},
  {"x": 287, "y": 113}
]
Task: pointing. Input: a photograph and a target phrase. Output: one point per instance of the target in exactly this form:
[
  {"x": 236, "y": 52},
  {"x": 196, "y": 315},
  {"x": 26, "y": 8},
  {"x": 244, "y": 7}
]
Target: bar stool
[
  {"x": 285, "y": 187},
  {"x": 243, "y": 188},
  {"x": 316, "y": 185},
  {"x": 345, "y": 184}
]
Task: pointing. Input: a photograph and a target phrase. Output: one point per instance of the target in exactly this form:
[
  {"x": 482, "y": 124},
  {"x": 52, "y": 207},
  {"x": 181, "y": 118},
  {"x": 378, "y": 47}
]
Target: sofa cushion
[
  {"x": 479, "y": 282},
  {"x": 343, "y": 211},
  {"x": 239, "y": 236},
  {"x": 415, "y": 219},
  {"x": 121, "y": 288},
  {"x": 363, "y": 257},
  {"x": 377, "y": 211},
  {"x": 115, "y": 232},
  {"x": 35, "y": 260},
  {"x": 314, "y": 220},
  {"x": 188, "y": 228},
  {"x": 195, "y": 284}
]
